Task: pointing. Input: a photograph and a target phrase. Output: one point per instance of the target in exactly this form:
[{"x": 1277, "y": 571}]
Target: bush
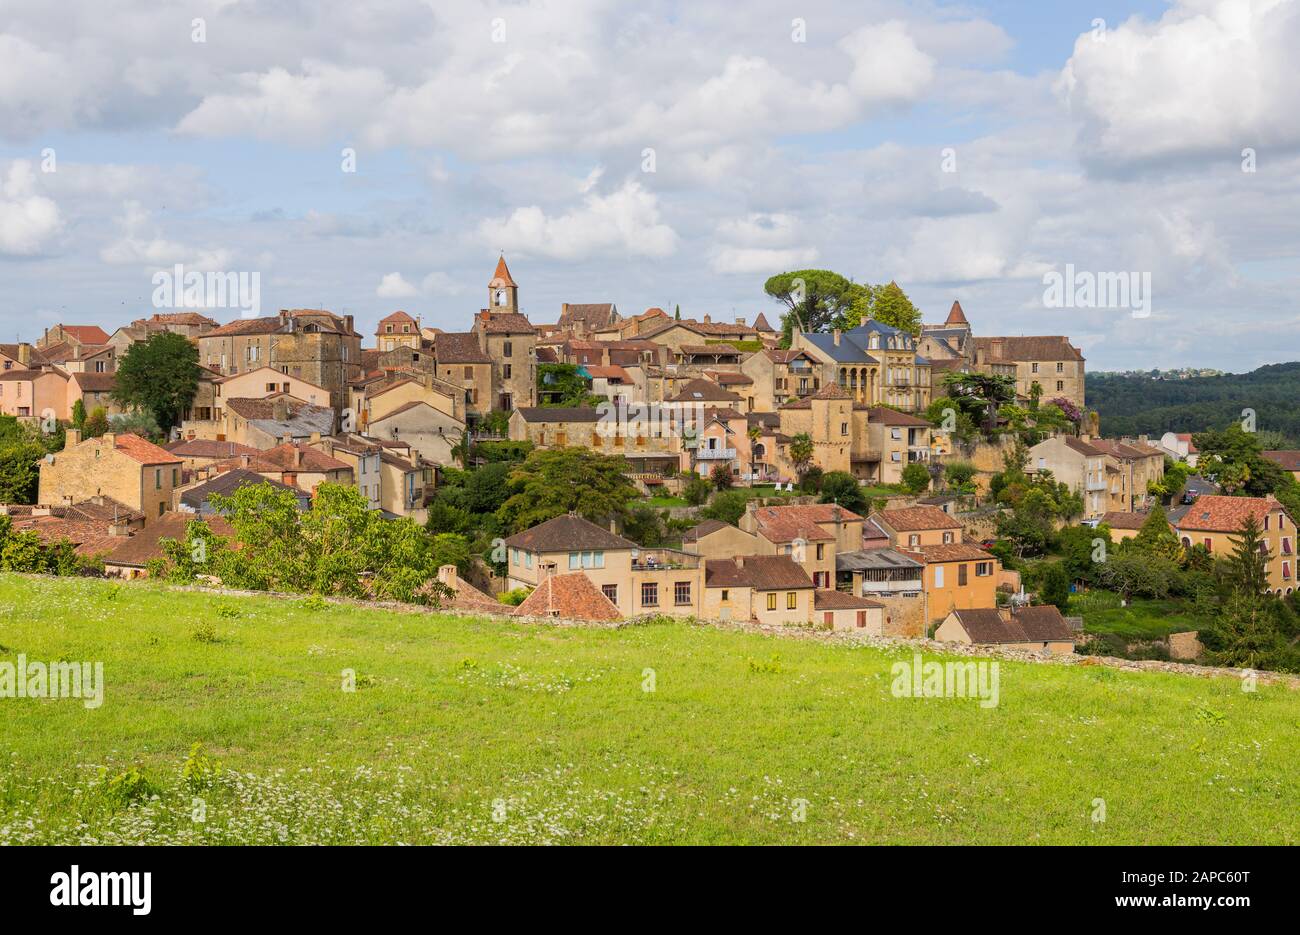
[
  {"x": 727, "y": 507},
  {"x": 721, "y": 476},
  {"x": 697, "y": 491},
  {"x": 916, "y": 478},
  {"x": 959, "y": 473},
  {"x": 515, "y": 597},
  {"x": 811, "y": 481}
]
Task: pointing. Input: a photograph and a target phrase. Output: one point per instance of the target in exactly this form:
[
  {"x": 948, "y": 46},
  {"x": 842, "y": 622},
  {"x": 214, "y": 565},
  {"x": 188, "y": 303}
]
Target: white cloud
[
  {"x": 1206, "y": 80},
  {"x": 28, "y": 221},
  {"x": 394, "y": 286},
  {"x": 888, "y": 68},
  {"x": 762, "y": 260},
  {"x": 142, "y": 244},
  {"x": 625, "y": 221}
]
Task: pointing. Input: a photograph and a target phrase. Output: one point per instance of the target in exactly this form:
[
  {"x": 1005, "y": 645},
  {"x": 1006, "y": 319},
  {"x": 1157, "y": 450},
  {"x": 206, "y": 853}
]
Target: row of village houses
[{"x": 295, "y": 400}]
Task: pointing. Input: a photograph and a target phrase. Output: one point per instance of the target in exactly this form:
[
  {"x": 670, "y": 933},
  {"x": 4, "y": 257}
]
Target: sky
[{"x": 369, "y": 157}]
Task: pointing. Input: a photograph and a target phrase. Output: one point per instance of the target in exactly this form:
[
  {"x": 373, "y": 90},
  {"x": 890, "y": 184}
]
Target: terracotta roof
[
  {"x": 824, "y": 599},
  {"x": 22, "y": 376},
  {"x": 570, "y": 595},
  {"x": 714, "y": 350},
  {"x": 1082, "y": 447},
  {"x": 175, "y": 318},
  {"x": 145, "y": 544},
  {"x": 1211, "y": 513},
  {"x": 87, "y": 334},
  {"x": 760, "y": 323},
  {"x": 1289, "y": 459},
  {"x": 12, "y": 351},
  {"x": 1117, "y": 519},
  {"x": 724, "y": 377},
  {"x": 501, "y": 277},
  {"x": 1032, "y": 347},
  {"x": 917, "y": 518},
  {"x": 1118, "y": 449},
  {"x": 607, "y": 372},
  {"x": 952, "y": 552},
  {"x": 146, "y": 452},
  {"x": 568, "y": 533},
  {"x": 956, "y": 316},
  {"x": 208, "y": 448},
  {"x": 398, "y": 317},
  {"x": 467, "y": 597},
  {"x": 786, "y": 523},
  {"x": 280, "y": 459},
  {"x": 1027, "y": 625},
  {"x": 760, "y": 572},
  {"x": 597, "y": 315},
  {"x": 887, "y": 416},
  {"x": 62, "y": 353}
]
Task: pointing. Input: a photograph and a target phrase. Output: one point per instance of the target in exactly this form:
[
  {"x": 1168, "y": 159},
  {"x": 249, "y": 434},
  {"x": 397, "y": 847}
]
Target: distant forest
[{"x": 1142, "y": 406}]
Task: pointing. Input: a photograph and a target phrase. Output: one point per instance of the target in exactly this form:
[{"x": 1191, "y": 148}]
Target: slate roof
[
  {"x": 1027, "y": 625},
  {"x": 699, "y": 390},
  {"x": 559, "y": 414},
  {"x": 1030, "y": 347},
  {"x": 227, "y": 483},
  {"x": 760, "y": 572},
  {"x": 824, "y": 599},
  {"x": 568, "y": 533},
  {"x": 876, "y": 559}
]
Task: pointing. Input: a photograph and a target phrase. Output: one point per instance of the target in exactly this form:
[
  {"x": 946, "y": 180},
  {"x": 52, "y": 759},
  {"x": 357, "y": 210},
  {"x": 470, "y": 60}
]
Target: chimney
[
  {"x": 297, "y": 456},
  {"x": 740, "y": 320},
  {"x": 284, "y": 317},
  {"x": 73, "y": 437},
  {"x": 24, "y": 353},
  {"x": 245, "y": 460},
  {"x": 347, "y": 324},
  {"x": 327, "y": 444},
  {"x": 447, "y": 575},
  {"x": 708, "y": 320},
  {"x": 286, "y": 439},
  {"x": 280, "y": 409},
  {"x": 315, "y": 437},
  {"x": 835, "y": 336},
  {"x": 110, "y": 439},
  {"x": 740, "y": 561}
]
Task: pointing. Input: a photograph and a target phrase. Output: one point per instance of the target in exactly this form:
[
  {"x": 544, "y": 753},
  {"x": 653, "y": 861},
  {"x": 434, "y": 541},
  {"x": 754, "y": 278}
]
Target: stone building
[{"x": 124, "y": 467}]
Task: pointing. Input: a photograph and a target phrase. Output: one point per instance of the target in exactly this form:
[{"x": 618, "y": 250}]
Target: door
[{"x": 829, "y": 618}]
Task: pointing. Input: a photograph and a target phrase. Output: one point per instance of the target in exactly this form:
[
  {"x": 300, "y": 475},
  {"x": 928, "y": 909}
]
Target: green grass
[
  {"x": 1142, "y": 619},
  {"x": 663, "y": 502},
  {"x": 458, "y": 721}
]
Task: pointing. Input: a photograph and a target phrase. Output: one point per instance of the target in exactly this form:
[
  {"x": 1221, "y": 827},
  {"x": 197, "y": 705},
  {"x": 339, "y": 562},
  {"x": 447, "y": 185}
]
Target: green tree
[
  {"x": 843, "y": 488},
  {"x": 561, "y": 385},
  {"x": 1245, "y": 633},
  {"x": 959, "y": 473},
  {"x": 1247, "y": 565},
  {"x": 727, "y": 507},
  {"x": 801, "y": 452},
  {"x": 1029, "y": 524},
  {"x": 552, "y": 482},
  {"x": 96, "y": 423},
  {"x": 20, "y": 470},
  {"x": 645, "y": 525},
  {"x": 448, "y": 548},
  {"x": 916, "y": 478},
  {"x": 1054, "y": 587},
  {"x": 78, "y": 415},
  {"x": 816, "y": 299},
  {"x": 160, "y": 376},
  {"x": 721, "y": 476},
  {"x": 697, "y": 490},
  {"x": 890, "y": 305},
  {"x": 1157, "y": 537}
]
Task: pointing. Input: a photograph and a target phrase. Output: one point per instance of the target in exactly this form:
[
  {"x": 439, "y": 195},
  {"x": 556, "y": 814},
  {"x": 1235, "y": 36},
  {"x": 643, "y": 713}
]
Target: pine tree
[
  {"x": 1156, "y": 537},
  {"x": 1248, "y": 563}
]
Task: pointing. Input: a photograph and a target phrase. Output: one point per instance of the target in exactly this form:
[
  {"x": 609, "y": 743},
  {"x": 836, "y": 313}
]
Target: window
[
  {"x": 528, "y": 559},
  {"x": 821, "y": 579},
  {"x": 1209, "y": 544},
  {"x": 771, "y": 601},
  {"x": 1060, "y": 367},
  {"x": 947, "y": 538},
  {"x": 844, "y": 428},
  {"x": 1059, "y": 386},
  {"x": 913, "y": 540},
  {"x": 895, "y": 456},
  {"x": 895, "y": 434},
  {"x": 505, "y": 372},
  {"x": 575, "y": 561},
  {"x": 961, "y": 575},
  {"x": 610, "y": 591},
  {"x": 157, "y": 479},
  {"x": 682, "y": 593},
  {"x": 162, "y": 508},
  {"x": 938, "y": 576},
  {"x": 983, "y": 569},
  {"x": 649, "y": 594},
  {"x": 176, "y": 476},
  {"x": 507, "y": 349},
  {"x": 791, "y": 600},
  {"x": 1033, "y": 368},
  {"x": 821, "y": 551},
  {"x": 514, "y": 556},
  {"x": 1286, "y": 569},
  {"x": 726, "y": 596}
]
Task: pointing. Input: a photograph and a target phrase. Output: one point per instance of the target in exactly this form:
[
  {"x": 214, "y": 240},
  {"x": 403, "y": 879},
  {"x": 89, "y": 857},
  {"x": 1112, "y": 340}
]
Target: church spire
[{"x": 956, "y": 316}]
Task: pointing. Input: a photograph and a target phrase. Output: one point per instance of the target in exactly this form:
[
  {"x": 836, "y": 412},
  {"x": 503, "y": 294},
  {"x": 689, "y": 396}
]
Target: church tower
[{"x": 503, "y": 291}]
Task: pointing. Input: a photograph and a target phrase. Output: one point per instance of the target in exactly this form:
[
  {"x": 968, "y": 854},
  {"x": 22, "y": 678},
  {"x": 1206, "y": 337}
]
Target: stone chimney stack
[
  {"x": 708, "y": 320},
  {"x": 245, "y": 460},
  {"x": 835, "y": 336},
  {"x": 740, "y": 320},
  {"x": 72, "y": 437},
  {"x": 24, "y": 354},
  {"x": 280, "y": 409},
  {"x": 447, "y": 575},
  {"x": 297, "y": 456}
]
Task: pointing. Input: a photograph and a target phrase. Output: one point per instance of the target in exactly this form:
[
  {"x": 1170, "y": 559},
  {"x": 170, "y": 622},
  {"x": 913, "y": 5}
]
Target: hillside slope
[
  {"x": 467, "y": 730},
  {"x": 1141, "y": 406}
]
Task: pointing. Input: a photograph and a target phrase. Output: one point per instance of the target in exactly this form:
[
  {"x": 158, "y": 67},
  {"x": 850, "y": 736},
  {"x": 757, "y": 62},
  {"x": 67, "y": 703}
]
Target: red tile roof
[
  {"x": 917, "y": 518},
  {"x": 87, "y": 334},
  {"x": 502, "y": 275},
  {"x": 760, "y": 572},
  {"x": 956, "y": 316},
  {"x": 146, "y": 452},
  {"x": 824, "y": 599},
  {"x": 1212, "y": 513},
  {"x": 570, "y": 595}
]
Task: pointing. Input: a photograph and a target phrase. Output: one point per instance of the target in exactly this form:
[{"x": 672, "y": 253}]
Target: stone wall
[{"x": 904, "y": 616}]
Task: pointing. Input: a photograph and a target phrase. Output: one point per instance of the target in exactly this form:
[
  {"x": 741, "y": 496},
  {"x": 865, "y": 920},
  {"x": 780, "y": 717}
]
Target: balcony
[
  {"x": 664, "y": 560},
  {"x": 715, "y": 454}
]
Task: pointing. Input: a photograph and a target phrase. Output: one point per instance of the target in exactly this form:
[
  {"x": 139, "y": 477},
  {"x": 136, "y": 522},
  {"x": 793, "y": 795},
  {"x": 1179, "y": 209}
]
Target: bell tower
[{"x": 503, "y": 291}]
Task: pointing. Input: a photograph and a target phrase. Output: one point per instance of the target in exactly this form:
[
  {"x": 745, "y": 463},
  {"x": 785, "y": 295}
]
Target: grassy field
[
  {"x": 469, "y": 730},
  {"x": 1142, "y": 619}
]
